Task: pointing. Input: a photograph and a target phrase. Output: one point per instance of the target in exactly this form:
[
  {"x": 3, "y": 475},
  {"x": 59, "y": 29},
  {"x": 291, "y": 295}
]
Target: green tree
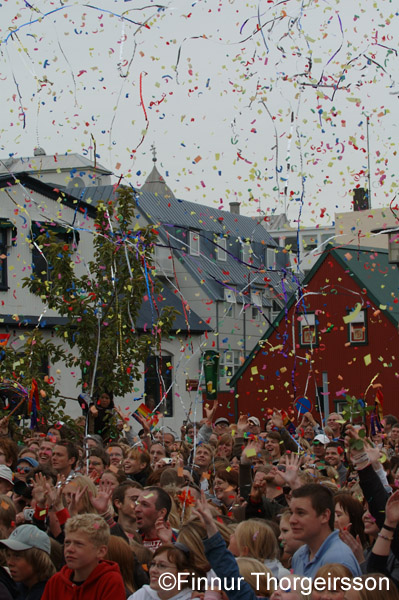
[
  {"x": 18, "y": 369},
  {"x": 102, "y": 305}
]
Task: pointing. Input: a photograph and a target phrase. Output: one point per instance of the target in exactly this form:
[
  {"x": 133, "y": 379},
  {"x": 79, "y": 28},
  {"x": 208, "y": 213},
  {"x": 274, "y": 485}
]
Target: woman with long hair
[
  {"x": 120, "y": 552},
  {"x": 349, "y": 516},
  {"x": 77, "y": 493}
]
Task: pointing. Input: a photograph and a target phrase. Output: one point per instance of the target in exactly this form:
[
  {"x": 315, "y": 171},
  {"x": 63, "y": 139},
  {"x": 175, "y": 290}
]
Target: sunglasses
[{"x": 23, "y": 469}]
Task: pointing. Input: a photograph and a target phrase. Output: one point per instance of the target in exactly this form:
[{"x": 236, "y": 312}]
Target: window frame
[
  {"x": 233, "y": 365},
  {"x": 270, "y": 264},
  {"x": 356, "y": 321},
  {"x": 305, "y": 323},
  {"x": 256, "y": 307},
  {"x": 231, "y": 300},
  {"x": 192, "y": 235},
  {"x": 4, "y": 261},
  {"x": 65, "y": 235},
  {"x": 167, "y": 407},
  {"x": 221, "y": 253},
  {"x": 246, "y": 248}
]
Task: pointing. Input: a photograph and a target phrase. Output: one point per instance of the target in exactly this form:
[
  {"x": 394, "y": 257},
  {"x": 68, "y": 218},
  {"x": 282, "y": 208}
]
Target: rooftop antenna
[
  {"x": 368, "y": 157},
  {"x": 154, "y": 153}
]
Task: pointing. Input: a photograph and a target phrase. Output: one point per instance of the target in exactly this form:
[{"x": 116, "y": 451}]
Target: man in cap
[
  {"x": 319, "y": 446},
  {"x": 222, "y": 425},
  {"x": 254, "y": 425},
  {"x": 23, "y": 568},
  {"x": 6, "y": 480}
]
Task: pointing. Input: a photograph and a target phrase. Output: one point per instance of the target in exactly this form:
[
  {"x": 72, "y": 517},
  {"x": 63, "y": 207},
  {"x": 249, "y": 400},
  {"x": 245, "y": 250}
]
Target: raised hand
[
  {"x": 354, "y": 544},
  {"x": 55, "y": 494},
  {"x": 40, "y": 491},
  {"x": 258, "y": 490},
  {"x": 290, "y": 475},
  {"x": 277, "y": 418},
  {"x": 374, "y": 455},
  {"x": 242, "y": 424},
  {"x": 203, "y": 512},
  {"x": 75, "y": 497},
  {"x": 164, "y": 530},
  {"x": 94, "y": 411},
  {"x": 392, "y": 510},
  {"x": 210, "y": 412},
  {"x": 102, "y": 501}
]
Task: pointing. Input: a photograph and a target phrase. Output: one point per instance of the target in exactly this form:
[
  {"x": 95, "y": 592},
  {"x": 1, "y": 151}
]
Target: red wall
[{"x": 278, "y": 366}]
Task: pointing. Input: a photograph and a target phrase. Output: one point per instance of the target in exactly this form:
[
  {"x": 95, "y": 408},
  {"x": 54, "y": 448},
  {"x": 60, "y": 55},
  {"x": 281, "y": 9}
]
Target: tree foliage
[{"x": 101, "y": 306}]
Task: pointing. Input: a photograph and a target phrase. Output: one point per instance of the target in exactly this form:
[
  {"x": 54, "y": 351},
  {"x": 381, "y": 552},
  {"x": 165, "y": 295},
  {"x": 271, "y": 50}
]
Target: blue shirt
[{"x": 332, "y": 550}]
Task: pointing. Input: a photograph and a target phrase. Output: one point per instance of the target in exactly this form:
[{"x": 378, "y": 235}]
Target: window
[
  {"x": 163, "y": 261},
  {"x": 256, "y": 303},
  {"x": 246, "y": 252},
  {"x": 276, "y": 308},
  {"x": 157, "y": 381},
  {"x": 307, "y": 325},
  {"x": 194, "y": 243},
  {"x": 309, "y": 242},
  {"x": 40, "y": 266},
  {"x": 7, "y": 232},
  {"x": 221, "y": 244},
  {"x": 270, "y": 258},
  {"x": 230, "y": 362},
  {"x": 230, "y": 298},
  {"x": 3, "y": 259},
  {"x": 358, "y": 329}
]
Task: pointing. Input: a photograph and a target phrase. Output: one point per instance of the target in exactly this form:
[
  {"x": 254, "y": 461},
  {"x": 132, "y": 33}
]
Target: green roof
[{"x": 369, "y": 268}]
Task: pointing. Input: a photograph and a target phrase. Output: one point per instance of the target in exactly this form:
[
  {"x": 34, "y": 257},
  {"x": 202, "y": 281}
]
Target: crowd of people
[{"x": 237, "y": 511}]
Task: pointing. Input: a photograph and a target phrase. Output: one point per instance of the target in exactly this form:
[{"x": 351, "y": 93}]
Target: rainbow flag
[{"x": 144, "y": 412}]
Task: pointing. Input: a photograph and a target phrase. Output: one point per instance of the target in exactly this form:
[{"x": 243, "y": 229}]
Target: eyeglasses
[{"x": 23, "y": 469}]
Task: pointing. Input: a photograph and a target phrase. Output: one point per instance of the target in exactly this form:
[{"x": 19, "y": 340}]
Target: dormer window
[
  {"x": 221, "y": 244},
  {"x": 194, "y": 243},
  {"x": 246, "y": 253}
]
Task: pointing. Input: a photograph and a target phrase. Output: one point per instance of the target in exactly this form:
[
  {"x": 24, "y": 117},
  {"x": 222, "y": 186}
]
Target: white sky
[{"x": 234, "y": 120}]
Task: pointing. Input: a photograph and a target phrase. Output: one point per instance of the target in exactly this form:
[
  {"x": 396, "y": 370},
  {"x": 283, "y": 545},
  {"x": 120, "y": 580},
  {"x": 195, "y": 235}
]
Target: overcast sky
[{"x": 264, "y": 103}]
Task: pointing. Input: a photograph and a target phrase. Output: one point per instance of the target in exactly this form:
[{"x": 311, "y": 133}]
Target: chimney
[
  {"x": 361, "y": 199},
  {"x": 234, "y": 208}
]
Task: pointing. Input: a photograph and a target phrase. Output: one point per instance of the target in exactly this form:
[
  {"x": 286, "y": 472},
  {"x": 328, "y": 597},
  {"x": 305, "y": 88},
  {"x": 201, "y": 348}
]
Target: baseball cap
[
  {"x": 31, "y": 461},
  {"x": 254, "y": 421},
  {"x": 26, "y": 537},
  {"x": 222, "y": 420},
  {"x": 6, "y": 473},
  {"x": 322, "y": 438}
]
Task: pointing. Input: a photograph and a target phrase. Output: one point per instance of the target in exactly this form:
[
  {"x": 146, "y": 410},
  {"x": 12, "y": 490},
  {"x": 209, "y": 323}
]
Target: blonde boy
[{"x": 85, "y": 546}]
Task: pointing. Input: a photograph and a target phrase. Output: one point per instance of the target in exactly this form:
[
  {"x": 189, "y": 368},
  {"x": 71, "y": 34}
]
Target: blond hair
[
  {"x": 92, "y": 525},
  {"x": 138, "y": 454},
  {"x": 85, "y": 482},
  {"x": 258, "y": 539},
  {"x": 333, "y": 570},
  {"x": 248, "y": 568}
]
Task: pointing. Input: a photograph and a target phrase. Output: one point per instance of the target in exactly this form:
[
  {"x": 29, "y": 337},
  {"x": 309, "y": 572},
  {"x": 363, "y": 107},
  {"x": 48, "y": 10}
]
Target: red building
[{"x": 338, "y": 336}]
